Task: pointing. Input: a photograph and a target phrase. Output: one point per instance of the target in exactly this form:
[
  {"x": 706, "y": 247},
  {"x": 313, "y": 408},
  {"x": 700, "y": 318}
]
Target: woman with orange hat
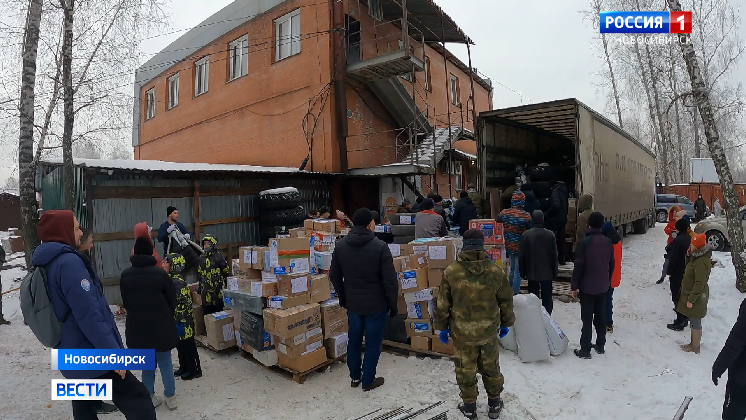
[
  {"x": 694, "y": 289},
  {"x": 670, "y": 229}
]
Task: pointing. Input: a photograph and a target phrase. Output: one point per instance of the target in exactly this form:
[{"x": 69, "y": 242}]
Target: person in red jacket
[
  {"x": 142, "y": 230},
  {"x": 669, "y": 229},
  {"x": 616, "y": 277}
]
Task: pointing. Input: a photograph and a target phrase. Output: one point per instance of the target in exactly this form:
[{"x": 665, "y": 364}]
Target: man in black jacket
[
  {"x": 676, "y": 252},
  {"x": 364, "y": 277},
  {"x": 532, "y": 203},
  {"x": 700, "y": 208},
  {"x": 556, "y": 218},
  {"x": 537, "y": 260},
  {"x": 464, "y": 212},
  {"x": 733, "y": 359}
]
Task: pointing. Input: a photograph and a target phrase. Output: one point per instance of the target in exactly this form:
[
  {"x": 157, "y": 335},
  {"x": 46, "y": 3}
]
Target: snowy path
[{"x": 643, "y": 375}]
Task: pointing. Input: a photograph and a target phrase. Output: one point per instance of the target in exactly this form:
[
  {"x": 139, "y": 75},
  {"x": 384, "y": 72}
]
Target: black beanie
[
  {"x": 428, "y": 204},
  {"x": 143, "y": 246},
  {"x": 362, "y": 217},
  {"x": 596, "y": 220},
  {"x": 170, "y": 210},
  {"x": 464, "y": 194},
  {"x": 682, "y": 225},
  {"x": 438, "y": 199}
]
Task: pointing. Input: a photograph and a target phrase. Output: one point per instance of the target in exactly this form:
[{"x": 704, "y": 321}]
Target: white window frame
[
  {"x": 202, "y": 79},
  {"x": 150, "y": 103},
  {"x": 291, "y": 46},
  {"x": 454, "y": 87},
  {"x": 238, "y": 65},
  {"x": 173, "y": 91}
]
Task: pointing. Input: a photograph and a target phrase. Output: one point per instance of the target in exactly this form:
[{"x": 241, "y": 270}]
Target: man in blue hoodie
[{"x": 76, "y": 294}]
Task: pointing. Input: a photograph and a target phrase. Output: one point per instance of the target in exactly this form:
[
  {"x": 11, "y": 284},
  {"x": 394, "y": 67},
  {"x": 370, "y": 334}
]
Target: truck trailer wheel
[{"x": 640, "y": 226}]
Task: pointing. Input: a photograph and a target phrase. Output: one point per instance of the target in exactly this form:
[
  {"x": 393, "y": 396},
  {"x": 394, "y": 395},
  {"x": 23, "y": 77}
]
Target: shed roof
[{"x": 162, "y": 166}]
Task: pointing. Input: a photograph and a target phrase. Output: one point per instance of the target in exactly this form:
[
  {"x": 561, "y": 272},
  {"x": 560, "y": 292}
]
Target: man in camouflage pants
[
  {"x": 478, "y": 200},
  {"x": 474, "y": 306}
]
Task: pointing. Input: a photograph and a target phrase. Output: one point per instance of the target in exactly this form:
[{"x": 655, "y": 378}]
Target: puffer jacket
[
  {"x": 475, "y": 299},
  {"x": 538, "y": 252},
  {"x": 671, "y": 226},
  {"x": 733, "y": 355},
  {"x": 515, "y": 221},
  {"x": 694, "y": 287},
  {"x": 585, "y": 209}
]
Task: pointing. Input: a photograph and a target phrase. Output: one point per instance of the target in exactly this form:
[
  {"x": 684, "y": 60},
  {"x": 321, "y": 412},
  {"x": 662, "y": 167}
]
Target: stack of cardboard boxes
[{"x": 494, "y": 241}]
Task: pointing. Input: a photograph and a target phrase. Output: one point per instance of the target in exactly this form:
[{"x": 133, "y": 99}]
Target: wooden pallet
[
  {"x": 295, "y": 376},
  {"x": 559, "y": 288},
  {"x": 406, "y": 348},
  {"x": 201, "y": 341}
]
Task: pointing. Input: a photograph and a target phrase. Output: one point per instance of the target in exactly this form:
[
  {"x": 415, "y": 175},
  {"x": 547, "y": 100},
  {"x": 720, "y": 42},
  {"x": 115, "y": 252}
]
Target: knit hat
[
  {"x": 57, "y": 226},
  {"x": 464, "y": 194},
  {"x": 431, "y": 194},
  {"x": 177, "y": 262},
  {"x": 518, "y": 199},
  {"x": 428, "y": 204},
  {"x": 170, "y": 210},
  {"x": 473, "y": 240},
  {"x": 607, "y": 228},
  {"x": 362, "y": 217},
  {"x": 683, "y": 224},
  {"x": 698, "y": 241},
  {"x": 438, "y": 199},
  {"x": 143, "y": 246},
  {"x": 596, "y": 220}
]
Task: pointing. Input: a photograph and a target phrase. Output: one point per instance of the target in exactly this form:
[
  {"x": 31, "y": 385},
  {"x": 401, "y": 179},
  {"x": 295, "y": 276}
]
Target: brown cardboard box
[
  {"x": 416, "y": 261},
  {"x": 244, "y": 261},
  {"x": 327, "y": 226},
  {"x": 493, "y": 231},
  {"x": 308, "y": 224},
  {"x": 305, "y": 362},
  {"x": 196, "y": 299},
  {"x": 434, "y": 277},
  {"x": 419, "y": 249},
  {"x": 324, "y": 242},
  {"x": 421, "y": 310},
  {"x": 297, "y": 232},
  {"x": 413, "y": 280},
  {"x": 284, "y": 302},
  {"x": 320, "y": 288},
  {"x": 399, "y": 263},
  {"x": 199, "y": 319},
  {"x": 336, "y": 346},
  {"x": 236, "y": 314},
  {"x": 421, "y": 295},
  {"x": 257, "y": 257},
  {"x": 441, "y": 254},
  {"x": 294, "y": 351},
  {"x": 333, "y": 318},
  {"x": 258, "y": 288},
  {"x": 284, "y": 251},
  {"x": 287, "y": 323},
  {"x": 401, "y": 305},
  {"x": 220, "y": 332},
  {"x": 418, "y": 327},
  {"x": 439, "y": 347},
  {"x": 331, "y": 309},
  {"x": 293, "y": 284},
  {"x": 421, "y": 343}
]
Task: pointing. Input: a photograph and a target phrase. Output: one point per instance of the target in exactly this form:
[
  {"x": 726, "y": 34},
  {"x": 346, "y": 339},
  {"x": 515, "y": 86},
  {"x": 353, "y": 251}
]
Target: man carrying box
[
  {"x": 365, "y": 280},
  {"x": 475, "y": 302}
]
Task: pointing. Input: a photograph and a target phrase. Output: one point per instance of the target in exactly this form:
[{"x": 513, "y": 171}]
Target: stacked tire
[
  {"x": 279, "y": 209},
  {"x": 402, "y": 227}
]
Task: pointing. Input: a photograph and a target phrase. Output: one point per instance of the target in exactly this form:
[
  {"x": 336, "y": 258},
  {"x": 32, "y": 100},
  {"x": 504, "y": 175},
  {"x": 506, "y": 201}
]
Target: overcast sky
[{"x": 541, "y": 49}]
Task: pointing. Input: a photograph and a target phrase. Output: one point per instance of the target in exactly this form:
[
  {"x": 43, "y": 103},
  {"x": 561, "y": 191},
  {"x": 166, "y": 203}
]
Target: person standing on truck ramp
[
  {"x": 733, "y": 359},
  {"x": 474, "y": 305},
  {"x": 591, "y": 280},
  {"x": 700, "y": 208},
  {"x": 515, "y": 221},
  {"x": 538, "y": 260},
  {"x": 556, "y": 218},
  {"x": 585, "y": 209}
]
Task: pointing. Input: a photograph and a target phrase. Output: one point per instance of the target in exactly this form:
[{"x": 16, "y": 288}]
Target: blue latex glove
[
  {"x": 503, "y": 332},
  {"x": 444, "y": 336}
]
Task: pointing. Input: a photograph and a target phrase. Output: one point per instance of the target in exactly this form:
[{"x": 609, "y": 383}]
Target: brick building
[{"x": 357, "y": 87}]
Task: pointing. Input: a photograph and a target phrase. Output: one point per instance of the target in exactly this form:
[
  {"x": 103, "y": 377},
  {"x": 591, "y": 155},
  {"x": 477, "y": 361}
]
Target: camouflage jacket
[
  {"x": 213, "y": 271},
  {"x": 184, "y": 313},
  {"x": 478, "y": 201},
  {"x": 475, "y": 299}
]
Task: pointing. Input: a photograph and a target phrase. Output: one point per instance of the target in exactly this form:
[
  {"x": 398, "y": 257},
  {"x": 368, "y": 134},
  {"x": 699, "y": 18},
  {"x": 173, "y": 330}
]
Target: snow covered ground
[{"x": 643, "y": 375}]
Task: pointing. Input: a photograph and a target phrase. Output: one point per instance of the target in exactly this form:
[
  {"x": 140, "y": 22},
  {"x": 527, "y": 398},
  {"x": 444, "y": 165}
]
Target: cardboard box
[
  {"x": 497, "y": 254},
  {"x": 421, "y": 343},
  {"x": 418, "y": 327},
  {"x": 236, "y": 314},
  {"x": 336, "y": 346},
  {"x": 199, "y": 319},
  {"x": 293, "y": 350},
  {"x": 305, "y": 362},
  {"x": 253, "y": 332},
  {"x": 441, "y": 254},
  {"x": 383, "y": 229},
  {"x": 196, "y": 299},
  {"x": 320, "y": 288},
  {"x": 290, "y": 285},
  {"x": 220, "y": 331},
  {"x": 323, "y": 260},
  {"x": 286, "y": 251},
  {"x": 493, "y": 231},
  {"x": 327, "y": 225},
  {"x": 416, "y": 261},
  {"x": 421, "y": 295},
  {"x": 284, "y": 302},
  {"x": 258, "y": 257},
  {"x": 419, "y": 249},
  {"x": 421, "y": 310},
  {"x": 401, "y": 305},
  {"x": 288, "y": 323},
  {"x": 439, "y": 347},
  {"x": 413, "y": 280},
  {"x": 258, "y": 288},
  {"x": 333, "y": 318},
  {"x": 406, "y": 219},
  {"x": 434, "y": 277},
  {"x": 399, "y": 264},
  {"x": 308, "y": 224},
  {"x": 297, "y": 233},
  {"x": 323, "y": 242},
  {"x": 244, "y": 261},
  {"x": 266, "y": 357},
  {"x": 294, "y": 266}
]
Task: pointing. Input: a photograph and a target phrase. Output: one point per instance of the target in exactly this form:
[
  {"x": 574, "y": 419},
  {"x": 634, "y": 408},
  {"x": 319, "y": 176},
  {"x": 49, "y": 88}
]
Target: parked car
[
  {"x": 663, "y": 202},
  {"x": 716, "y": 229}
]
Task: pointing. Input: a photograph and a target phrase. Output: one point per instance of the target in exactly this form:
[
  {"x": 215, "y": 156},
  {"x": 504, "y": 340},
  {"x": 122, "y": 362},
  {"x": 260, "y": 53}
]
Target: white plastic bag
[
  {"x": 558, "y": 341},
  {"x": 531, "y": 337},
  {"x": 508, "y": 342}
]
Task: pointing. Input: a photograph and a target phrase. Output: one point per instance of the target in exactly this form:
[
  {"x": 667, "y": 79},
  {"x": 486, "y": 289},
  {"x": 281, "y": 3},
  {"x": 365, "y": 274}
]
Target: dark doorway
[{"x": 352, "y": 27}]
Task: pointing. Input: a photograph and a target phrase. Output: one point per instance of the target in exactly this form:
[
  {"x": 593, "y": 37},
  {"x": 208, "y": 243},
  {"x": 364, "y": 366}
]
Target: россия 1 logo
[{"x": 646, "y": 22}]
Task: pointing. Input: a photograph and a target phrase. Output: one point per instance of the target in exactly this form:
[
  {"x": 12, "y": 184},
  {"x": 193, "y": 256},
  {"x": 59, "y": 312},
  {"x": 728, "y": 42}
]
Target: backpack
[{"x": 37, "y": 309}]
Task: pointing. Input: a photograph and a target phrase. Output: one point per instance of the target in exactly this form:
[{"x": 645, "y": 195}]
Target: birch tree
[
  {"x": 68, "y": 168},
  {"x": 702, "y": 97}
]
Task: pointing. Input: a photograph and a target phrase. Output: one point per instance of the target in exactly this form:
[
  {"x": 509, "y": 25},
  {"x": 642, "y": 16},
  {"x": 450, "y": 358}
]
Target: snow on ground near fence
[{"x": 643, "y": 375}]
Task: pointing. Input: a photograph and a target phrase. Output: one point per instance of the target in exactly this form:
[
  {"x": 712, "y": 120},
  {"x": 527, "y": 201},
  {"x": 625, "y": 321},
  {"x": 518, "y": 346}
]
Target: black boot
[
  {"x": 180, "y": 371},
  {"x": 496, "y": 407},
  {"x": 581, "y": 354},
  {"x": 468, "y": 410}
]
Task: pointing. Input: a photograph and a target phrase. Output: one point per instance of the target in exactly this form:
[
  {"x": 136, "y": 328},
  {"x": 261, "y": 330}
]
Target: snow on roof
[
  {"x": 11, "y": 191},
  {"x": 464, "y": 154},
  {"x": 161, "y": 166},
  {"x": 279, "y": 191}
]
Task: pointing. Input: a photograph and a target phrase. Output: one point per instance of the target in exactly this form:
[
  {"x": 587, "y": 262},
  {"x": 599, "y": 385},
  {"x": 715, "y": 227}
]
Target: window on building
[
  {"x": 428, "y": 82},
  {"x": 455, "y": 90},
  {"x": 173, "y": 91},
  {"x": 201, "y": 75},
  {"x": 375, "y": 8},
  {"x": 287, "y": 34},
  {"x": 150, "y": 104},
  {"x": 239, "y": 60}
]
